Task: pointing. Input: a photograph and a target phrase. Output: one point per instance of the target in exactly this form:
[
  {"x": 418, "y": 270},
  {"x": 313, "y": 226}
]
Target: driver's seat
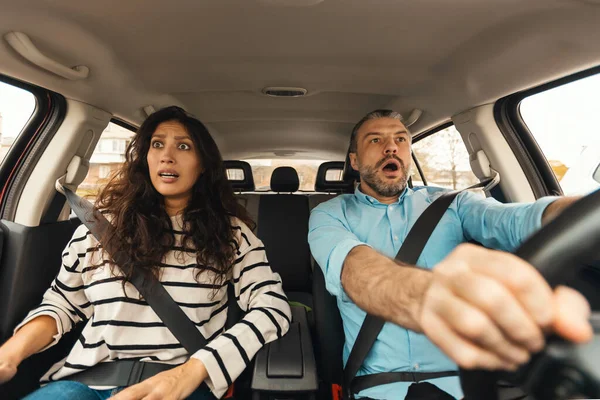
[{"x": 329, "y": 340}]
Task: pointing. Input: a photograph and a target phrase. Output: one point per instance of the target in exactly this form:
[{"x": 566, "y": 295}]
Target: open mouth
[
  {"x": 391, "y": 166},
  {"x": 168, "y": 175}
]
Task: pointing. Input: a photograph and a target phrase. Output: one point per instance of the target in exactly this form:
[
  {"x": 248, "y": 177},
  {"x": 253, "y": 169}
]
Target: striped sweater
[{"x": 120, "y": 326}]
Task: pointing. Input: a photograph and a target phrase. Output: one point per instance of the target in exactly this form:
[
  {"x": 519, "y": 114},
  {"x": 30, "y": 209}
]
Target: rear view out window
[
  {"x": 235, "y": 174},
  {"x": 263, "y": 169},
  {"x": 334, "y": 175},
  {"x": 16, "y": 107}
]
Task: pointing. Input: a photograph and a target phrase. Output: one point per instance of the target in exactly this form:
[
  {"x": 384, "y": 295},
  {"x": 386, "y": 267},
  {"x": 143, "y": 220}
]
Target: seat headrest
[
  {"x": 284, "y": 179},
  {"x": 350, "y": 174},
  {"x": 240, "y": 176},
  {"x": 338, "y": 186}
]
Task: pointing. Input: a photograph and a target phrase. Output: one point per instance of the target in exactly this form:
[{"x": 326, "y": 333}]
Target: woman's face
[{"x": 174, "y": 163}]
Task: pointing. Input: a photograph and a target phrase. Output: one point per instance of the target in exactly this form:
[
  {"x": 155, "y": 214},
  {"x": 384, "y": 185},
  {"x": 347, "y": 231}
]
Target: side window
[
  {"x": 16, "y": 107},
  {"x": 565, "y": 123},
  {"x": 108, "y": 156},
  {"x": 444, "y": 160}
]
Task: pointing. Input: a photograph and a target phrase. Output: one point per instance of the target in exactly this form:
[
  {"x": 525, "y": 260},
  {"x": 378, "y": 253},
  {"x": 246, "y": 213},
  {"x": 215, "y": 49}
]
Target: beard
[{"x": 368, "y": 175}]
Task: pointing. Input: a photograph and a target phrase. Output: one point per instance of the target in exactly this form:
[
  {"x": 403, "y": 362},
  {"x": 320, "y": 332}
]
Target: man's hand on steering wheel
[{"x": 490, "y": 310}]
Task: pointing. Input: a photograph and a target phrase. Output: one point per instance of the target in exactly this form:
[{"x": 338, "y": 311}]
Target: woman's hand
[
  {"x": 7, "y": 371},
  {"x": 8, "y": 366},
  {"x": 29, "y": 339},
  {"x": 174, "y": 384}
]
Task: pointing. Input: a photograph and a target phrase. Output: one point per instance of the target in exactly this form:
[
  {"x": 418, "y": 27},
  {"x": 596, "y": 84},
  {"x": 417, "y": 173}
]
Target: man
[{"x": 465, "y": 305}]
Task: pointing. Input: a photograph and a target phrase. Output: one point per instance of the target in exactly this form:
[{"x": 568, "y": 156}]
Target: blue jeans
[{"x": 71, "y": 390}]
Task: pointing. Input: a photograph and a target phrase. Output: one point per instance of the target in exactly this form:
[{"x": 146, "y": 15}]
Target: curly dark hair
[{"x": 143, "y": 229}]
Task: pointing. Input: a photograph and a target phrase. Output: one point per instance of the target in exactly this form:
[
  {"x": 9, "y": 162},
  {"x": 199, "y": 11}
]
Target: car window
[
  {"x": 107, "y": 158},
  {"x": 262, "y": 170},
  {"x": 565, "y": 123},
  {"x": 444, "y": 160},
  {"x": 16, "y": 107}
]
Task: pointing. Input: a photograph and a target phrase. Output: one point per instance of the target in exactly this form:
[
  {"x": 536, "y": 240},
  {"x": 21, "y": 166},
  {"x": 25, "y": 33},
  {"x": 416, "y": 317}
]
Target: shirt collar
[{"x": 366, "y": 199}]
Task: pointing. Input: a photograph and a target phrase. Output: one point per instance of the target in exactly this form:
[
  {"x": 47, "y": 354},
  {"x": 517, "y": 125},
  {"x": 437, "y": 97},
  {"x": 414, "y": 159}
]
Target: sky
[
  {"x": 16, "y": 106},
  {"x": 565, "y": 120}
]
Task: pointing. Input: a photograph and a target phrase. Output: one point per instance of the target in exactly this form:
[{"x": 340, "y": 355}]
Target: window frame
[
  {"x": 421, "y": 136},
  {"x": 29, "y": 145},
  {"x": 424, "y": 135},
  {"x": 521, "y": 140},
  {"x": 122, "y": 124}
]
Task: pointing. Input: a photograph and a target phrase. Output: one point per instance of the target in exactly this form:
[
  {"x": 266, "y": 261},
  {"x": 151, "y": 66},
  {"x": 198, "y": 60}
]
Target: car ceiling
[{"x": 213, "y": 57}]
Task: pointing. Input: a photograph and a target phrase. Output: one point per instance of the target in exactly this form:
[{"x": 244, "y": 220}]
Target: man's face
[{"x": 382, "y": 157}]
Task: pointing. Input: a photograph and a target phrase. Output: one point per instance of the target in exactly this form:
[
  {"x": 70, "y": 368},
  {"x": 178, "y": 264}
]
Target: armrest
[{"x": 287, "y": 364}]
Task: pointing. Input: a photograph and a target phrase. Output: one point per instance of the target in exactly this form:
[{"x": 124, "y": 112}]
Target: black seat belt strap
[
  {"x": 365, "y": 381},
  {"x": 153, "y": 292},
  {"x": 409, "y": 253}
]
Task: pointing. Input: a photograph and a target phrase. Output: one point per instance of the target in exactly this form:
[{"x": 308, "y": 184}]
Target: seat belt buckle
[
  {"x": 229, "y": 393},
  {"x": 336, "y": 391}
]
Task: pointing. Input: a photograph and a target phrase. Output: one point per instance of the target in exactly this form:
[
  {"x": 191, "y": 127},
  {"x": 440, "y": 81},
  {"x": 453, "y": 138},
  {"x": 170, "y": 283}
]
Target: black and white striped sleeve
[
  {"x": 259, "y": 292},
  {"x": 65, "y": 300}
]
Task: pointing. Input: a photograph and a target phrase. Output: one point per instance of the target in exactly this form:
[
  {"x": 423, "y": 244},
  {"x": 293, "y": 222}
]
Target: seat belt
[
  {"x": 409, "y": 253},
  {"x": 155, "y": 294}
]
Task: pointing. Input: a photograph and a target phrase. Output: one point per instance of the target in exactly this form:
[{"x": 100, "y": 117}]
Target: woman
[{"x": 172, "y": 202}]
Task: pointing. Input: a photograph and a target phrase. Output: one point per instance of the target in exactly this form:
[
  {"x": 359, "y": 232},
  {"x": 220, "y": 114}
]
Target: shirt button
[
  {"x": 416, "y": 366},
  {"x": 391, "y": 208},
  {"x": 395, "y": 237}
]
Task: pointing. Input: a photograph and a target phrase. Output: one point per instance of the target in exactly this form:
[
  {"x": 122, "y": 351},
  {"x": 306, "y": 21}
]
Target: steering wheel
[{"x": 562, "y": 370}]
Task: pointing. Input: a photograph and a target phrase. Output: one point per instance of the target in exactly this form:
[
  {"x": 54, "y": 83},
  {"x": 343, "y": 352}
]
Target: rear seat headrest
[
  {"x": 284, "y": 179},
  {"x": 338, "y": 186},
  {"x": 247, "y": 183}
]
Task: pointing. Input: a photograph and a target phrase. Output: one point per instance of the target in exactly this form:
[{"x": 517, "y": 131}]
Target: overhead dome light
[
  {"x": 280, "y": 91},
  {"x": 284, "y": 153}
]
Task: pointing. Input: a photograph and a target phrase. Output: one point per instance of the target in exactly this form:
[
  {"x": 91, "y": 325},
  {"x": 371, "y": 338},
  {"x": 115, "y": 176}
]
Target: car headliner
[{"x": 214, "y": 57}]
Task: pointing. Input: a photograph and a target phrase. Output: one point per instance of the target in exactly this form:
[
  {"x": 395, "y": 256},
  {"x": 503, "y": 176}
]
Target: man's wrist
[
  {"x": 406, "y": 302},
  {"x": 420, "y": 281},
  {"x": 556, "y": 207}
]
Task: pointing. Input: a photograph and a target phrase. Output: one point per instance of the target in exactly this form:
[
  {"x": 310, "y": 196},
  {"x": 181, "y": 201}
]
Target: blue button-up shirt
[{"x": 346, "y": 221}]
